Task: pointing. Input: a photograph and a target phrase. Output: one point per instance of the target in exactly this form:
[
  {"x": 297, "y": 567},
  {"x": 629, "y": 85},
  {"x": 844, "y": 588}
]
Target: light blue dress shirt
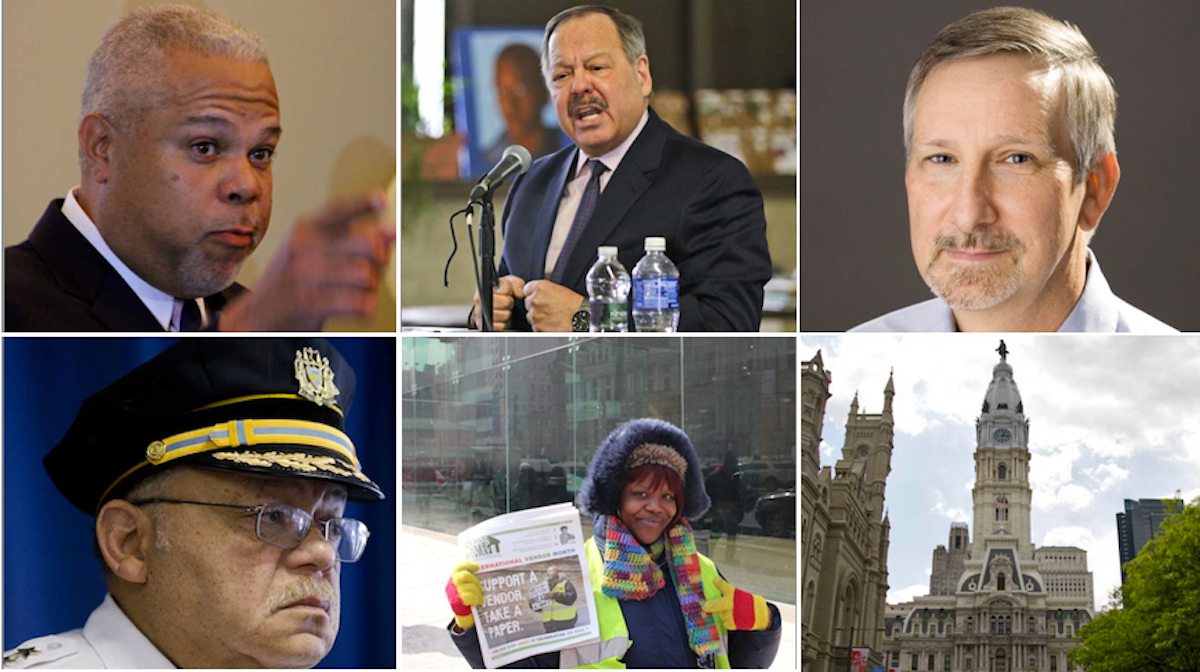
[{"x": 1098, "y": 311}]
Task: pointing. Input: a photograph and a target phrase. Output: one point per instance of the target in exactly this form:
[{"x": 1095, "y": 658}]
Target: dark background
[
  {"x": 52, "y": 580},
  {"x": 856, "y": 262}
]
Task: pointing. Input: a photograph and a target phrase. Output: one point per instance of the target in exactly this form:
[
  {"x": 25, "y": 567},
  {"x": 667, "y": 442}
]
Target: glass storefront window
[{"x": 499, "y": 424}]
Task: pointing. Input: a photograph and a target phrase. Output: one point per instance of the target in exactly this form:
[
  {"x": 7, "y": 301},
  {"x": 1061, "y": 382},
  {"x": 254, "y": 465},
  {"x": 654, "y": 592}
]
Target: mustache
[
  {"x": 986, "y": 239},
  {"x": 305, "y": 586},
  {"x": 593, "y": 101}
]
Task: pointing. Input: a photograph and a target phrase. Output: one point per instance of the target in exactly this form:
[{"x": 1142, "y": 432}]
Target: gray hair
[
  {"x": 124, "y": 73},
  {"x": 1087, "y": 104},
  {"x": 633, "y": 39}
]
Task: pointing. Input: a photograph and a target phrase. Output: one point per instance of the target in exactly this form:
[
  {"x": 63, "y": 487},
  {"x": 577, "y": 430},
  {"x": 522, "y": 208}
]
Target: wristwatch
[{"x": 582, "y": 319}]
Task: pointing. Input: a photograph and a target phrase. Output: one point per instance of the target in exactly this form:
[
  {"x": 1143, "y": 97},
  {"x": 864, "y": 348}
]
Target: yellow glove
[
  {"x": 464, "y": 591},
  {"x": 738, "y": 609}
]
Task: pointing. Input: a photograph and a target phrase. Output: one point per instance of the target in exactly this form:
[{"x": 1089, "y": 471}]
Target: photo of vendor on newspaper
[
  {"x": 535, "y": 584},
  {"x": 535, "y": 599}
]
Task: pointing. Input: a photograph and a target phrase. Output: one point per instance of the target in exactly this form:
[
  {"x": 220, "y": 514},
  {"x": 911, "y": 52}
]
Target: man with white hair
[
  {"x": 178, "y": 126},
  {"x": 218, "y": 474},
  {"x": 1008, "y": 122}
]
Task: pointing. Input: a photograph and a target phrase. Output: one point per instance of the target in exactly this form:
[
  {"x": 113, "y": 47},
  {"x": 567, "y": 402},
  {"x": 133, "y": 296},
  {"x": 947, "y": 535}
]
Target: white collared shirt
[
  {"x": 573, "y": 192},
  {"x": 165, "y": 308},
  {"x": 108, "y": 640},
  {"x": 1097, "y": 311}
]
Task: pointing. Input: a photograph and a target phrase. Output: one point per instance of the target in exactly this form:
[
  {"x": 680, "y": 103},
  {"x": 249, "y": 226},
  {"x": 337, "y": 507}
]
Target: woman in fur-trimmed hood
[{"x": 661, "y": 604}]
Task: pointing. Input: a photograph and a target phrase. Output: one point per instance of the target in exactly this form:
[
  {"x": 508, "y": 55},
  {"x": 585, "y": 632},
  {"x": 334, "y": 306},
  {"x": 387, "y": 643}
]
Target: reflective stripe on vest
[
  {"x": 614, "y": 635},
  {"x": 558, "y": 611}
]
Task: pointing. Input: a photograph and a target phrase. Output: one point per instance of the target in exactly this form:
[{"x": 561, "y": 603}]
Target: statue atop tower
[{"x": 996, "y": 601}]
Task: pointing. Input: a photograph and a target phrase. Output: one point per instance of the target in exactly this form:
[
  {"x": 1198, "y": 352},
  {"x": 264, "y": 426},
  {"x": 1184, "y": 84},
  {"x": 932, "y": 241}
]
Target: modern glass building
[
  {"x": 1140, "y": 523},
  {"x": 492, "y": 425}
]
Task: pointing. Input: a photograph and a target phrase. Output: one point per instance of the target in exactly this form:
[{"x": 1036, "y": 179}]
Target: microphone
[{"x": 516, "y": 161}]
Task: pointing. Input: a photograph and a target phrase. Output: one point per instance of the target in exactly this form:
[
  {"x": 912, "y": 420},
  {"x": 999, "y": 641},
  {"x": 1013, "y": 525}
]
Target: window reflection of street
[{"x": 504, "y": 424}]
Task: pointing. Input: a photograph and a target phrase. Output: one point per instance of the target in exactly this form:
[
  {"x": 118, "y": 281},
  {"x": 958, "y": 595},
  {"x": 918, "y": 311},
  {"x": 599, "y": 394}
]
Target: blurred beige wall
[{"x": 335, "y": 70}]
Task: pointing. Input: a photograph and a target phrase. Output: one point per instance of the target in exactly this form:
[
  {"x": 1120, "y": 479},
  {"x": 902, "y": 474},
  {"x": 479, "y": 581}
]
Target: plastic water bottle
[
  {"x": 608, "y": 292},
  {"x": 656, "y": 290}
]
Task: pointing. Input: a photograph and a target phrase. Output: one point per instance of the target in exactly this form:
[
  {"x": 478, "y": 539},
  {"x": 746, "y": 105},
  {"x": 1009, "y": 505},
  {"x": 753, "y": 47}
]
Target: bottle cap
[
  {"x": 606, "y": 251},
  {"x": 656, "y": 244}
]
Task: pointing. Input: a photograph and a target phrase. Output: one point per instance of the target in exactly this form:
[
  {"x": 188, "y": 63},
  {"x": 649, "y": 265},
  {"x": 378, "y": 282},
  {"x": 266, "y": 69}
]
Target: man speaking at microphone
[{"x": 629, "y": 175}]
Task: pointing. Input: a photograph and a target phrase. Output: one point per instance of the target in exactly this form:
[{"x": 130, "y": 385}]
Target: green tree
[{"x": 1153, "y": 621}]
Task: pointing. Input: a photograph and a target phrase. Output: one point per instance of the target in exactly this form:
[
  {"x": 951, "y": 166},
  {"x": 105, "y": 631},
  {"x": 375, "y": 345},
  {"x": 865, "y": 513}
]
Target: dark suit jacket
[
  {"x": 56, "y": 281},
  {"x": 701, "y": 200}
]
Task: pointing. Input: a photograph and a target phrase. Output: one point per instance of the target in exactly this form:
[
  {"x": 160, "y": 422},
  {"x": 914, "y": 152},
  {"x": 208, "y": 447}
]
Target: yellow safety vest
[
  {"x": 558, "y": 611},
  {"x": 614, "y": 636}
]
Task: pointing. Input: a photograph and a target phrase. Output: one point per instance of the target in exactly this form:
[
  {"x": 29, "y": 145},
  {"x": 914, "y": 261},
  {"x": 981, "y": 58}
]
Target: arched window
[
  {"x": 846, "y": 615},
  {"x": 1003, "y": 472}
]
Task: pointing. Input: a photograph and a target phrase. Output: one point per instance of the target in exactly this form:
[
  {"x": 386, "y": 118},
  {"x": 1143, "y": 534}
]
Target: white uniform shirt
[
  {"x": 1098, "y": 311},
  {"x": 108, "y": 640}
]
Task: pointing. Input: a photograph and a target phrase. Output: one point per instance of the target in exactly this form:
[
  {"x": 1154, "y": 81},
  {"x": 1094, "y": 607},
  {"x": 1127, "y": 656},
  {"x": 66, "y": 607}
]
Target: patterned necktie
[
  {"x": 591, "y": 194},
  {"x": 189, "y": 317}
]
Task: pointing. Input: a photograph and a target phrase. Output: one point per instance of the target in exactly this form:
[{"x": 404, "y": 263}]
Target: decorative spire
[{"x": 888, "y": 392}]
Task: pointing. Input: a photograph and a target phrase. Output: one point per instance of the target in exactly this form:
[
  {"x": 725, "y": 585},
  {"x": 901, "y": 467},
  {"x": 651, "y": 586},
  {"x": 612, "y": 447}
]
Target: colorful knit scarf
[{"x": 632, "y": 573}]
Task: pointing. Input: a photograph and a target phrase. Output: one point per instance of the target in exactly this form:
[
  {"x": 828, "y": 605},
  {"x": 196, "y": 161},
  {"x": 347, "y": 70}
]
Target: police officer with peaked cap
[{"x": 218, "y": 473}]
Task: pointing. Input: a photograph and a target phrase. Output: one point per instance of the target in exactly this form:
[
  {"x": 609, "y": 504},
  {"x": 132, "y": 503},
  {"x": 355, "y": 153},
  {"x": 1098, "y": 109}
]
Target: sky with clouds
[{"x": 1111, "y": 418}]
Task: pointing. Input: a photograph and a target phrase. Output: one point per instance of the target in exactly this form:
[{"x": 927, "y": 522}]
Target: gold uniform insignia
[
  {"x": 316, "y": 378},
  {"x": 156, "y": 451},
  {"x": 20, "y": 654},
  {"x": 295, "y": 462}
]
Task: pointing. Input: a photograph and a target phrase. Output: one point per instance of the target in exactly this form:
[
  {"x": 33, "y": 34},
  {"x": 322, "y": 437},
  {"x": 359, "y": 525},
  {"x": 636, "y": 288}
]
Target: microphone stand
[{"x": 487, "y": 259}]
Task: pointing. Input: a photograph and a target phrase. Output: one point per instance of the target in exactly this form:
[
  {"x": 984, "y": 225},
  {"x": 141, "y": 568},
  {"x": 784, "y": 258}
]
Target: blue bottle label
[{"x": 656, "y": 294}]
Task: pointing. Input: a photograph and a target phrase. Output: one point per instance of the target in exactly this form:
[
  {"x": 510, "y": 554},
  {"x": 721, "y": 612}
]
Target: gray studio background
[{"x": 855, "y": 57}]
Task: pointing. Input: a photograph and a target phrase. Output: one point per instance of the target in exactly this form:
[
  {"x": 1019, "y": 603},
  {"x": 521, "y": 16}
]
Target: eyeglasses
[{"x": 285, "y": 526}]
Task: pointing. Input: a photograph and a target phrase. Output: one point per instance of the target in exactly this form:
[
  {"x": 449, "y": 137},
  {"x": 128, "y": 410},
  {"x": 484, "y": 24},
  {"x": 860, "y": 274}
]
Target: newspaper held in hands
[{"x": 537, "y": 591}]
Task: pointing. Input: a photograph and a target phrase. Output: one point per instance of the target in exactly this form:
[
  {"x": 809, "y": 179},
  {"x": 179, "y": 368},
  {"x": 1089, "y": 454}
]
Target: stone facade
[
  {"x": 1001, "y": 604},
  {"x": 844, "y": 529}
]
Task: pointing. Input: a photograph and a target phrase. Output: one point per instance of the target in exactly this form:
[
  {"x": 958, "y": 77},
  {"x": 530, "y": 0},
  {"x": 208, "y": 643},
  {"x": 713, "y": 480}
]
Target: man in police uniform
[{"x": 218, "y": 473}]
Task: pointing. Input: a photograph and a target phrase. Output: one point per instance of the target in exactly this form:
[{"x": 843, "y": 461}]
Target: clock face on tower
[{"x": 1002, "y": 435}]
